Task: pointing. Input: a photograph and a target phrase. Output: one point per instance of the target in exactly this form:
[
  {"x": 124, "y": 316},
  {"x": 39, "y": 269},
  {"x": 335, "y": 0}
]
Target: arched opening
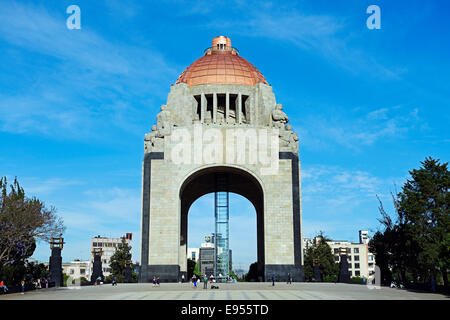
[
  {"x": 242, "y": 232},
  {"x": 240, "y": 182}
]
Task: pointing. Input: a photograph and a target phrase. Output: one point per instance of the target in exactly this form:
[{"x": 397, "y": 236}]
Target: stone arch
[{"x": 240, "y": 181}]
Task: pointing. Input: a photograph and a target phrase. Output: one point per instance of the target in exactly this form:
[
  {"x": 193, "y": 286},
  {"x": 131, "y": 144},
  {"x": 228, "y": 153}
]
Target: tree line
[{"x": 413, "y": 246}]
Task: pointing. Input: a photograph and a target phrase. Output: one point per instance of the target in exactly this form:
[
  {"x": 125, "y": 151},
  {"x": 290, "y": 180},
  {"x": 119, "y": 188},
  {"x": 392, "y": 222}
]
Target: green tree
[
  {"x": 36, "y": 271},
  {"x": 197, "y": 270},
  {"x": 415, "y": 245},
  {"x": 119, "y": 259},
  {"x": 252, "y": 274},
  {"x": 424, "y": 204},
  {"x": 392, "y": 249},
  {"x": 322, "y": 251}
]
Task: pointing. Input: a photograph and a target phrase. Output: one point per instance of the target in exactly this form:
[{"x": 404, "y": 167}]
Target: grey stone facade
[{"x": 171, "y": 183}]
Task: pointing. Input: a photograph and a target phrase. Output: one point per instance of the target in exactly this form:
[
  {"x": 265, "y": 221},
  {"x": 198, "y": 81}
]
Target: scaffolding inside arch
[{"x": 221, "y": 236}]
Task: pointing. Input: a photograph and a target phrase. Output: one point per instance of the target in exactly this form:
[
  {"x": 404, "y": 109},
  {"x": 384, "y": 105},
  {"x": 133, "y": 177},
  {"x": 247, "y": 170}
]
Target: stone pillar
[
  {"x": 239, "y": 108},
  {"x": 344, "y": 274},
  {"x": 317, "y": 277},
  {"x": 214, "y": 119},
  {"x": 227, "y": 107},
  {"x": 203, "y": 103},
  {"x": 55, "y": 266},
  {"x": 55, "y": 263},
  {"x": 128, "y": 274},
  {"x": 182, "y": 255},
  {"x": 97, "y": 270}
]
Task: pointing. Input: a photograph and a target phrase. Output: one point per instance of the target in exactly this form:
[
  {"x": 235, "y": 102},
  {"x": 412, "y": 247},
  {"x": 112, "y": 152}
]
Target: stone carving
[
  {"x": 164, "y": 121},
  {"x": 288, "y": 139},
  {"x": 279, "y": 118},
  {"x": 154, "y": 141}
]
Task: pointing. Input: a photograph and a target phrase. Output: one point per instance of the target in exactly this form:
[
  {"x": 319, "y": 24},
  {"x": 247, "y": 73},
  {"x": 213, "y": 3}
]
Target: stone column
[
  {"x": 227, "y": 107},
  {"x": 182, "y": 254},
  {"x": 214, "y": 119},
  {"x": 239, "y": 108},
  {"x": 202, "y": 108},
  {"x": 249, "y": 109}
]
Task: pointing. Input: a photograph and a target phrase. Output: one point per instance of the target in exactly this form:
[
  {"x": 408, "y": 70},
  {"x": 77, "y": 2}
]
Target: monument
[
  {"x": 97, "y": 270},
  {"x": 221, "y": 118},
  {"x": 55, "y": 263},
  {"x": 344, "y": 274},
  {"x": 128, "y": 274},
  {"x": 316, "y": 267}
]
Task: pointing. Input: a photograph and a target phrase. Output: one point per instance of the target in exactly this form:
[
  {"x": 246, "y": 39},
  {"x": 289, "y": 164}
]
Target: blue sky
[{"x": 368, "y": 105}]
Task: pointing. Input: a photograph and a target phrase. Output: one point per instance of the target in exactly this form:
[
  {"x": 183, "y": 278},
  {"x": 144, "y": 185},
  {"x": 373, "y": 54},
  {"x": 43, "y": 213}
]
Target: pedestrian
[
  {"x": 157, "y": 281},
  {"x": 154, "y": 281},
  {"x": 114, "y": 281},
  {"x": 182, "y": 278},
  {"x": 433, "y": 284},
  {"x": 39, "y": 283},
  {"x": 194, "y": 281},
  {"x": 289, "y": 278},
  {"x": 335, "y": 279},
  {"x": 205, "y": 282},
  {"x": 22, "y": 287},
  {"x": 3, "y": 287},
  {"x": 273, "y": 280},
  {"x": 46, "y": 283}
]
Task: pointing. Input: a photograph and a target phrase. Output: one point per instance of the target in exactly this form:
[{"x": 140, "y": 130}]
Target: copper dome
[{"x": 221, "y": 64}]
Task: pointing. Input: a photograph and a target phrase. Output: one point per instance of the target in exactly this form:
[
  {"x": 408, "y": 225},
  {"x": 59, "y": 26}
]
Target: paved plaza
[{"x": 229, "y": 291}]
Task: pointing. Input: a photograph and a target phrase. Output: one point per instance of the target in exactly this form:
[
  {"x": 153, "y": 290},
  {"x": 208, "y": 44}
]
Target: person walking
[
  {"x": 3, "y": 287},
  {"x": 433, "y": 284},
  {"x": 157, "y": 281},
  {"x": 335, "y": 279},
  {"x": 205, "y": 282},
  {"x": 182, "y": 278},
  {"x": 194, "y": 281},
  {"x": 22, "y": 287},
  {"x": 154, "y": 281},
  {"x": 273, "y": 280},
  {"x": 114, "y": 281},
  {"x": 289, "y": 278}
]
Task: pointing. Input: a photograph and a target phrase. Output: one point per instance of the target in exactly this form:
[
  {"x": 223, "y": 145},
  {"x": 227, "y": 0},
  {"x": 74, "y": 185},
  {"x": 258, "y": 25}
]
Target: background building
[
  {"x": 193, "y": 254},
  {"x": 361, "y": 263},
  {"x": 205, "y": 255},
  {"x": 108, "y": 246},
  {"x": 77, "y": 269}
]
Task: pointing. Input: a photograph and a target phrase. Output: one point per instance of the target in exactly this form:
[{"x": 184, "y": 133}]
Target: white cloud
[
  {"x": 355, "y": 131},
  {"x": 326, "y": 35},
  {"x": 86, "y": 82}
]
